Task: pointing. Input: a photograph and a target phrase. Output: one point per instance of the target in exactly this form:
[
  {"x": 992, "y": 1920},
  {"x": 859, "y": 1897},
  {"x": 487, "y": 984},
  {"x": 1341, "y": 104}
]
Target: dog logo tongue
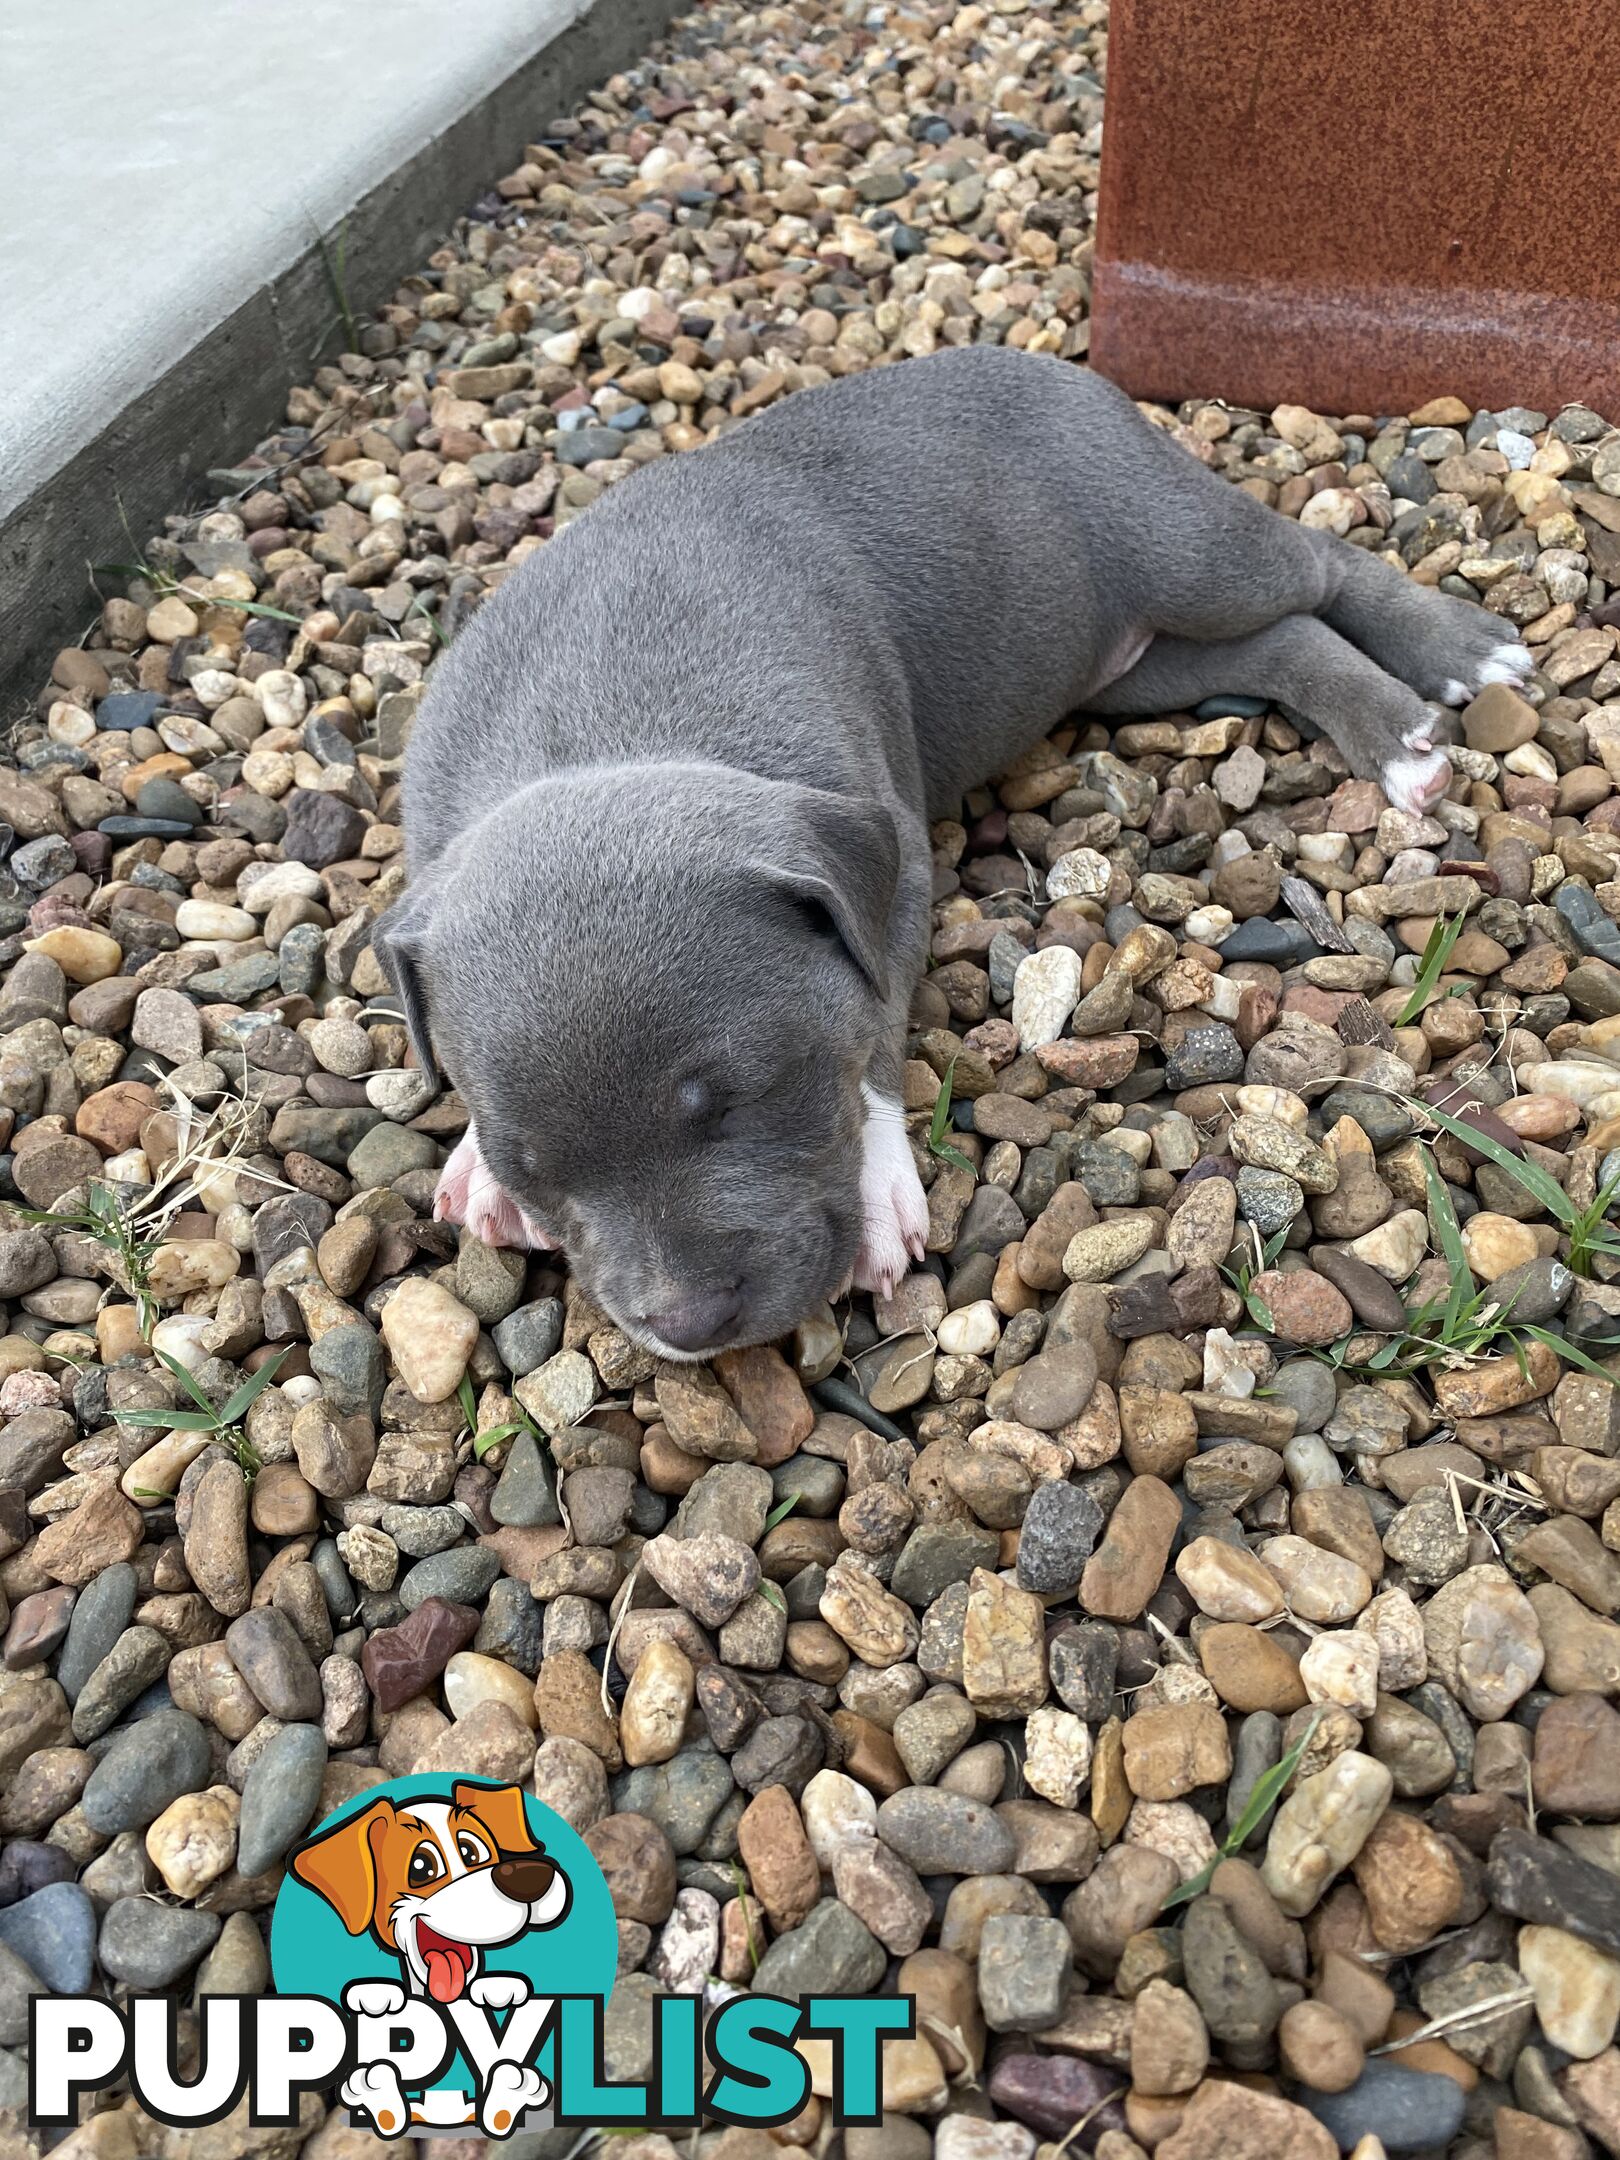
[{"x": 449, "y": 1964}]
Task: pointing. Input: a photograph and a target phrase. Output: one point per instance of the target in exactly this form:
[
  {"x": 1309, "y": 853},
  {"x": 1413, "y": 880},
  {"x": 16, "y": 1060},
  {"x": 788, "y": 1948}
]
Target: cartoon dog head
[{"x": 438, "y": 1880}]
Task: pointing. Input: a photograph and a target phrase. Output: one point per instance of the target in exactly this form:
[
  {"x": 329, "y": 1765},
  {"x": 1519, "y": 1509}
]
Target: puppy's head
[
  {"x": 437, "y": 1881},
  {"x": 657, "y": 989}
]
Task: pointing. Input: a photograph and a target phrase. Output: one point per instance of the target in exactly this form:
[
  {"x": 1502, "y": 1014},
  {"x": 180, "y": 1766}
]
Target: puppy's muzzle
[
  {"x": 696, "y": 1320},
  {"x": 523, "y": 1877}
]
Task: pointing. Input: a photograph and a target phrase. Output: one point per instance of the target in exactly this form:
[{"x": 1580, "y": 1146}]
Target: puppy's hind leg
[{"x": 1386, "y": 732}]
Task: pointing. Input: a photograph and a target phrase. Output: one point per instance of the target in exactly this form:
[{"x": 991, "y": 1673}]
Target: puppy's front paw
[
  {"x": 1507, "y": 661},
  {"x": 499, "y": 1991},
  {"x": 469, "y": 1192},
  {"x": 512, "y": 2088},
  {"x": 374, "y": 2090},
  {"x": 1420, "y": 772},
  {"x": 894, "y": 1207},
  {"x": 374, "y": 1998}
]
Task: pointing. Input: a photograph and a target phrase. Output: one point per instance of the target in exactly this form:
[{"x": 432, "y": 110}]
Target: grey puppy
[{"x": 667, "y": 802}]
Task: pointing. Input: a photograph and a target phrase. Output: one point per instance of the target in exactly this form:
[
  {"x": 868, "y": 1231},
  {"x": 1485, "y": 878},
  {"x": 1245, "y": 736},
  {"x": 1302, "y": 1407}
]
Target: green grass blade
[
  {"x": 1567, "y": 1349},
  {"x": 484, "y": 1441},
  {"x": 1443, "y": 1216},
  {"x": 1268, "y": 1787},
  {"x": 170, "y": 1420},
  {"x": 175, "y": 1367},
  {"x": 782, "y": 1510},
  {"x": 253, "y": 1387},
  {"x": 1531, "y": 1176},
  {"x": 1436, "y": 953}
]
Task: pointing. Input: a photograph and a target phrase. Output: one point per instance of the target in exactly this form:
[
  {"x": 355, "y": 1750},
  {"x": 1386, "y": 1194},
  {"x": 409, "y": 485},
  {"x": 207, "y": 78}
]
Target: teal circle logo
[{"x": 443, "y": 1915}]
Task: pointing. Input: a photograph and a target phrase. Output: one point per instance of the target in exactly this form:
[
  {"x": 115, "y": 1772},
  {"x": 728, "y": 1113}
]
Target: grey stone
[
  {"x": 525, "y": 1495},
  {"x": 1084, "y": 1659},
  {"x": 682, "y": 1796},
  {"x": 529, "y": 1335},
  {"x": 938, "y": 1554},
  {"x": 1025, "y": 1971},
  {"x": 54, "y": 1932},
  {"x": 512, "y": 1627},
  {"x": 944, "y": 1833},
  {"x": 280, "y": 1796},
  {"x": 1406, "y": 2110},
  {"x": 103, "y": 1610},
  {"x": 833, "y": 1953},
  {"x": 272, "y": 1659},
  {"x": 148, "y": 1764},
  {"x": 139, "y": 1656},
  {"x": 149, "y": 1946},
  {"x": 1060, "y": 1529},
  {"x": 349, "y": 1363},
  {"x": 462, "y": 1575}
]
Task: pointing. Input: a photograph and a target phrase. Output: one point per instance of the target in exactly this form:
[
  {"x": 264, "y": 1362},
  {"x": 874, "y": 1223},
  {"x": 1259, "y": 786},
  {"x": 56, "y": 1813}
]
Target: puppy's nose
[
  {"x": 698, "y": 1319},
  {"x": 525, "y": 1877}
]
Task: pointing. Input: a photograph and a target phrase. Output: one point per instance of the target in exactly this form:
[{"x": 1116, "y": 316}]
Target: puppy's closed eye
[{"x": 694, "y": 1101}]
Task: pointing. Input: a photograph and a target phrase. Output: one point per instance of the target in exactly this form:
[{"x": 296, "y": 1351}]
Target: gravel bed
[{"x": 1254, "y": 1412}]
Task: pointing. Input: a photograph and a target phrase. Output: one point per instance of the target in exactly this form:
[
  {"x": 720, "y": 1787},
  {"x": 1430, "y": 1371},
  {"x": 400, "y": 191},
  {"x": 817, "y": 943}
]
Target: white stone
[
  {"x": 971, "y": 1331},
  {"x": 400, "y": 1095},
  {"x": 282, "y": 697},
  {"x": 1209, "y": 925},
  {"x": 1342, "y": 1667},
  {"x": 209, "y": 920},
  {"x": 1080, "y": 874},
  {"x": 1173, "y": 1828},
  {"x": 1057, "y": 1755},
  {"x": 1577, "y": 1989},
  {"x": 1310, "y": 1465},
  {"x": 966, "y": 2137},
  {"x": 261, "y": 885},
  {"x": 1046, "y": 989},
  {"x": 1320, "y": 1828},
  {"x": 837, "y": 1812},
  {"x": 1396, "y": 1627},
  {"x": 688, "y": 1943},
  {"x": 560, "y": 1391},
  {"x": 430, "y": 1336},
  {"x": 189, "y": 1264},
  {"x": 1396, "y": 1246},
  {"x": 1232, "y": 1368},
  {"x": 1578, "y": 1082}
]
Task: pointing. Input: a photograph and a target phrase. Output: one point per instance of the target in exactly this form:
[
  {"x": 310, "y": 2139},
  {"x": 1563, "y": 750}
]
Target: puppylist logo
[{"x": 442, "y": 1954}]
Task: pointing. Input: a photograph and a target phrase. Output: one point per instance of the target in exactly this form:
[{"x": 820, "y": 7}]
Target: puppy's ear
[
  {"x": 397, "y": 939},
  {"x": 342, "y": 1866},
  {"x": 500, "y": 1811},
  {"x": 840, "y": 859}
]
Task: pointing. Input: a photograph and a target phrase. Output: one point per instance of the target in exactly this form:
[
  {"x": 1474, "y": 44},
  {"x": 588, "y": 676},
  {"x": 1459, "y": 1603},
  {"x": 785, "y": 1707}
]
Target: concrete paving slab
[{"x": 166, "y": 174}]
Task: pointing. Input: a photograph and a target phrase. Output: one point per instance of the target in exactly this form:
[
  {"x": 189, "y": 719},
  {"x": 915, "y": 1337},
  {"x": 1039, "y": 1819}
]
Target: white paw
[
  {"x": 469, "y": 1192},
  {"x": 1414, "y": 783},
  {"x": 375, "y": 2091},
  {"x": 1453, "y": 692},
  {"x": 894, "y": 1207},
  {"x": 512, "y": 2088},
  {"x": 499, "y": 1991},
  {"x": 375, "y": 1998},
  {"x": 1509, "y": 663}
]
